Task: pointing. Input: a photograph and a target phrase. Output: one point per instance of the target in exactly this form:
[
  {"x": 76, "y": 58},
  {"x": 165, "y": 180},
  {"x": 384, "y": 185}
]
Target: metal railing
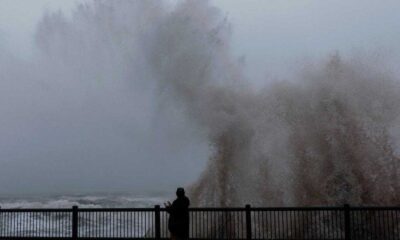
[{"x": 349, "y": 223}]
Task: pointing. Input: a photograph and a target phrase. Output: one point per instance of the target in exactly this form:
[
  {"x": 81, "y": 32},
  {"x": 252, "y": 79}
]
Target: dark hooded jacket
[{"x": 178, "y": 223}]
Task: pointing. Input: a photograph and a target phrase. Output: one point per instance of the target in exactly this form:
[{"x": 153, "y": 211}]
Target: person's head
[{"x": 180, "y": 192}]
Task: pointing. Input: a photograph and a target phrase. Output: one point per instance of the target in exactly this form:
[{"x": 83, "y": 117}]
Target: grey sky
[{"x": 273, "y": 35}]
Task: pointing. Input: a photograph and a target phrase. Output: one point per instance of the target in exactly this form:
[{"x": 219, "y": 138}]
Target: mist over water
[{"x": 329, "y": 136}]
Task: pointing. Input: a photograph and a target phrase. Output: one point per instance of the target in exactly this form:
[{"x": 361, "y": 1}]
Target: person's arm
[{"x": 168, "y": 207}]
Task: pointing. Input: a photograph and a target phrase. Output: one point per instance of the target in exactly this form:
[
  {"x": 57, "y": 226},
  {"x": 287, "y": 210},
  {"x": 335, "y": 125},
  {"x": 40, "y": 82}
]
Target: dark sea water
[
  {"x": 99, "y": 200},
  {"x": 58, "y": 224}
]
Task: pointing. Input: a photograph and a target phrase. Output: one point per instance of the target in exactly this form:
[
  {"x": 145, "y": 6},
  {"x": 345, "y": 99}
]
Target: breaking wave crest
[{"x": 327, "y": 136}]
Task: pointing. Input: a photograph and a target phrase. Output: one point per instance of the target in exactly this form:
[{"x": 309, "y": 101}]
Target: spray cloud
[{"x": 326, "y": 137}]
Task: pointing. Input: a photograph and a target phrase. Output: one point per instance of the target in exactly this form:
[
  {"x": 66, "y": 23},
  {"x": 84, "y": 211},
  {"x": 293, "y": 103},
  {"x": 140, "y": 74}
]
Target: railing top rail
[
  {"x": 212, "y": 209},
  {"x": 116, "y": 209},
  {"x": 35, "y": 209},
  {"x": 375, "y": 208},
  {"x": 296, "y": 208}
]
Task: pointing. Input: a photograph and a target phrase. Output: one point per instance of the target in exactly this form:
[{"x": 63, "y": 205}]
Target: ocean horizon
[{"x": 85, "y": 200}]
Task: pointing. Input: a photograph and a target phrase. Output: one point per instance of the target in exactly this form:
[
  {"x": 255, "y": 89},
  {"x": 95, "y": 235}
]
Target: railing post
[
  {"x": 248, "y": 222},
  {"x": 75, "y": 222},
  {"x": 347, "y": 226},
  {"x": 157, "y": 221}
]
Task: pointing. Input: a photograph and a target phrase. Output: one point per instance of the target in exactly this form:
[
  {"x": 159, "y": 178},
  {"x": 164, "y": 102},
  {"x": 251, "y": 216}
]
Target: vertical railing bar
[
  {"x": 379, "y": 223},
  {"x": 326, "y": 215},
  {"x": 192, "y": 220},
  {"x": 24, "y": 220},
  {"x": 235, "y": 225},
  {"x": 309, "y": 222},
  {"x": 392, "y": 213},
  {"x": 305, "y": 230},
  {"x": 258, "y": 232},
  {"x": 12, "y": 224},
  {"x": 130, "y": 225},
  {"x": 259, "y": 224},
  {"x": 263, "y": 224},
  {"x": 284, "y": 224},
  {"x": 59, "y": 232},
  {"x": 317, "y": 224},
  {"x": 44, "y": 228},
  {"x": 388, "y": 222},
  {"x": 157, "y": 222},
  {"x": 280, "y": 225},
  {"x": 383, "y": 224},
  {"x": 357, "y": 219},
  {"x": 321, "y": 223},
  {"x": 275, "y": 223},
  {"x": 100, "y": 225},
  {"x": 347, "y": 222},
  {"x": 369, "y": 220},
  {"x": 392, "y": 223},
  {"x": 292, "y": 224},
  {"x": 207, "y": 222},
  {"x": 266, "y": 226},
  {"x": 386, "y": 219},
  {"x": 51, "y": 224},
  {"x": 288, "y": 224},
  {"x": 75, "y": 222},
  {"x": 2, "y": 223},
  {"x": 248, "y": 222},
  {"x": 23, "y": 232},
  {"x": 11, "y": 220},
  {"x": 299, "y": 217},
  {"x": 201, "y": 223},
  {"x": 239, "y": 224},
  {"x": 372, "y": 220},
  {"x": 334, "y": 225},
  {"x": 111, "y": 224},
  {"x": 397, "y": 222}
]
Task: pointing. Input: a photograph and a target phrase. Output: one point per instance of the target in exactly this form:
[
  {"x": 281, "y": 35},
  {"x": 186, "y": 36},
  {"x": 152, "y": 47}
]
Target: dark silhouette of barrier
[{"x": 345, "y": 222}]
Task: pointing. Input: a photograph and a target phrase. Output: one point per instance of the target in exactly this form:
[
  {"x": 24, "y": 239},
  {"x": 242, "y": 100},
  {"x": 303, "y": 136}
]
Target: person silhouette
[{"x": 178, "y": 222}]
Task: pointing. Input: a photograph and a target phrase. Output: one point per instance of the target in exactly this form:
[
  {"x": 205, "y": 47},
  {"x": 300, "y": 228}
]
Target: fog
[{"x": 83, "y": 110}]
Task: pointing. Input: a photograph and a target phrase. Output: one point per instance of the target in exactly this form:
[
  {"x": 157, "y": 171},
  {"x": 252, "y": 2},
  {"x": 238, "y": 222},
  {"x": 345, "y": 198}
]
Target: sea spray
[{"x": 326, "y": 137}]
